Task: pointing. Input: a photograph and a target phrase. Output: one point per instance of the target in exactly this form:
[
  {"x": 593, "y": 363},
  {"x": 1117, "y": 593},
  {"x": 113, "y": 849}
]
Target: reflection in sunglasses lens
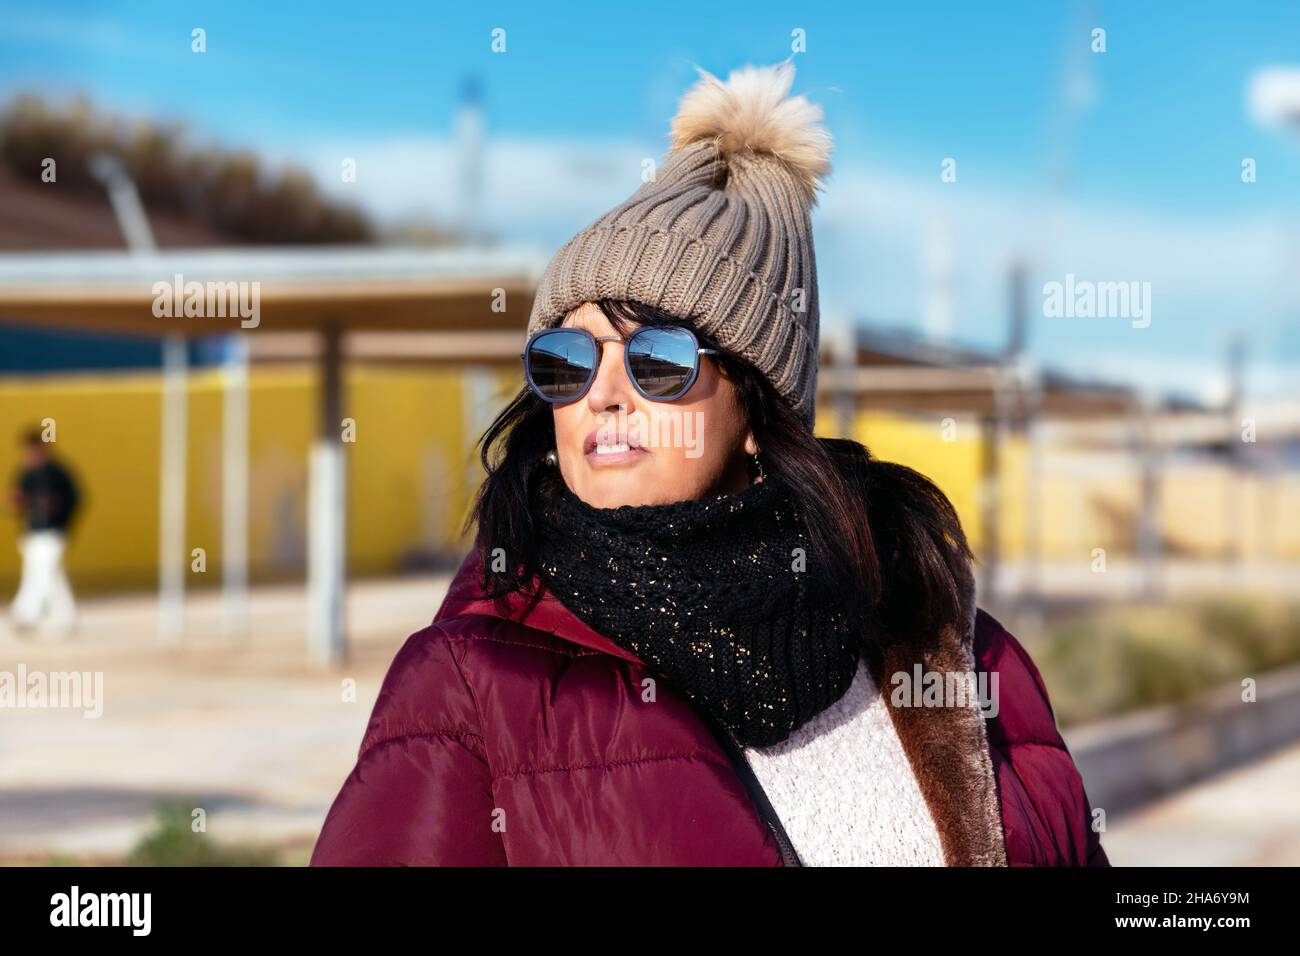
[
  {"x": 560, "y": 363},
  {"x": 662, "y": 361}
]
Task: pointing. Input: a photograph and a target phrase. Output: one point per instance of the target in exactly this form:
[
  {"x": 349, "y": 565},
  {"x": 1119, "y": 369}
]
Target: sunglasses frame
[{"x": 598, "y": 348}]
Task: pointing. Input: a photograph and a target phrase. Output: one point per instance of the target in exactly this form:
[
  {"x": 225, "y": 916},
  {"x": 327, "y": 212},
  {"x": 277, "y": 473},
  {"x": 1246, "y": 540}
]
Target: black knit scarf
[{"x": 712, "y": 593}]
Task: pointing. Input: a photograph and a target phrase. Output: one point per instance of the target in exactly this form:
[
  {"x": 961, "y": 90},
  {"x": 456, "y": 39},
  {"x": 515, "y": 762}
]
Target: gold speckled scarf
[{"x": 719, "y": 594}]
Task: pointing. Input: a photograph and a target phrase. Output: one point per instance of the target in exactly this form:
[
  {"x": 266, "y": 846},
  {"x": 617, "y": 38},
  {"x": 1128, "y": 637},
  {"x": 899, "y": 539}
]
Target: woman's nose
[{"x": 611, "y": 387}]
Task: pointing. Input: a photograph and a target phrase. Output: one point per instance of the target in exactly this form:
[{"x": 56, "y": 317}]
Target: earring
[
  {"x": 759, "y": 465},
  {"x": 552, "y": 458}
]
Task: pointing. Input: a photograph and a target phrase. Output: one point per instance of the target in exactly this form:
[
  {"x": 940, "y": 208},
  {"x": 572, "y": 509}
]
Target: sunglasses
[{"x": 662, "y": 362}]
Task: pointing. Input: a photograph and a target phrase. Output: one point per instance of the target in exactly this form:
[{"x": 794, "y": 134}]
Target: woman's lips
[{"x": 611, "y": 449}]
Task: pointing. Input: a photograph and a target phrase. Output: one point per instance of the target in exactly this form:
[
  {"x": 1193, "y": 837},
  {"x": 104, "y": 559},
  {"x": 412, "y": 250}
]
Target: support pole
[
  {"x": 327, "y": 518},
  {"x": 1150, "y": 546},
  {"x": 234, "y": 491},
  {"x": 844, "y": 352},
  {"x": 173, "y": 562},
  {"x": 1233, "y": 544},
  {"x": 1031, "y": 394},
  {"x": 1028, "y": 393},
  {"x": 478, "y": 389},
  {"x": 991, "y": 428}
]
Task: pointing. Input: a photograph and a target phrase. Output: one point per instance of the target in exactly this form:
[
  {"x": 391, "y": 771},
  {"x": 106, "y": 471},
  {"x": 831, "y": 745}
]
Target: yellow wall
[
  {"x": 107, "y": 431},
  {"x": 1205, "y": 510},
  {"x": 409, "y": 469},
  {"x": 922, "y": 443}
]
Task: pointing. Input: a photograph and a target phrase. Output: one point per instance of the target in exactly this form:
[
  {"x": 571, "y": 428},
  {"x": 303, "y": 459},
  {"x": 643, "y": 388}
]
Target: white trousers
[{"x": 44, "y": 587}]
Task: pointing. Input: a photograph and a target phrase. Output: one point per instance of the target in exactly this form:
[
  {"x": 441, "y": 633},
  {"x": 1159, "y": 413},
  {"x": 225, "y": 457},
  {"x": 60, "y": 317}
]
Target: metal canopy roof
[
  {"x": 898, "y": 370},
  {"x": 299, "y": 288}
]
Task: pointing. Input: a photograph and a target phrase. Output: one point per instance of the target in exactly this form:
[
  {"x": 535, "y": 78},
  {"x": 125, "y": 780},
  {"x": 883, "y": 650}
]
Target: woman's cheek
[{"x": 684, "y": 475}]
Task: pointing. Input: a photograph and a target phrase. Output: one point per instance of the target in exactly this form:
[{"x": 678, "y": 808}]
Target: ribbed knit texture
[
  {"x": 722, "y": 236},
  {"x": 708, "y": 592}
]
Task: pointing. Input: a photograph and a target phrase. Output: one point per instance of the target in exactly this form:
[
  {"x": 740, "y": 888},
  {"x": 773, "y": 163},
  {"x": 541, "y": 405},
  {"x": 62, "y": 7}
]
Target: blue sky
[{"x": 1150, "y": 153}]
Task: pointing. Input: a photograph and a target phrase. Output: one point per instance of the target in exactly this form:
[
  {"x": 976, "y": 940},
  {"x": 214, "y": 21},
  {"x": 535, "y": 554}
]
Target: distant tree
[{"x": 227, "y": 191}]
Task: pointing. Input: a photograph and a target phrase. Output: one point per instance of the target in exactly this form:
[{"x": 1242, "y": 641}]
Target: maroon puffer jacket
[{"x": 523, "y": 741}]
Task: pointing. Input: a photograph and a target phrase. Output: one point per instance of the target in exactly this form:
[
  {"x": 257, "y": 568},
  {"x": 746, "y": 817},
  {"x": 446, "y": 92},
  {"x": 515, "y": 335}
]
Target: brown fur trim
[{"x": 948, "y": 747}]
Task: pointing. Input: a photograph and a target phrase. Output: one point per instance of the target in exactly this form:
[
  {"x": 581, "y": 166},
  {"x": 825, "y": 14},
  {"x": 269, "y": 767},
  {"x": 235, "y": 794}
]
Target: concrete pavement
[
  {"x": 248, "y": 731},
  {"x": 261, "y": 740}
]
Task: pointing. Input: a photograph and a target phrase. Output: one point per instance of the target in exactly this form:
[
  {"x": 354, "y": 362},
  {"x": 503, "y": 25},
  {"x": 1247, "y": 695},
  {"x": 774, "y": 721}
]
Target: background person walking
[{"x": 46, "y": 497}]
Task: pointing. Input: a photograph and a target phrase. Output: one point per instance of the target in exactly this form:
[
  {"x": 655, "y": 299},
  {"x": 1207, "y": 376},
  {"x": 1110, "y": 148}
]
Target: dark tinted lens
[
  {"x": 662, "y": 360},
  {"x": 560, "y": 362}
]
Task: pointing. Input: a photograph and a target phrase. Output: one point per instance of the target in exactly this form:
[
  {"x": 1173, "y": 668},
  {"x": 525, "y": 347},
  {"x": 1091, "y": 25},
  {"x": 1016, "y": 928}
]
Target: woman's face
[{"x": 617, "y": 448}]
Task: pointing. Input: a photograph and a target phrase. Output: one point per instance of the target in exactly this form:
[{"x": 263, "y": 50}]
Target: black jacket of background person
[{"x": 49, "y": 497}]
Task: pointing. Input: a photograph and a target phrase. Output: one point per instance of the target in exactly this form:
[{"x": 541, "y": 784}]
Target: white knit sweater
[{"x": 844, "y": 790}]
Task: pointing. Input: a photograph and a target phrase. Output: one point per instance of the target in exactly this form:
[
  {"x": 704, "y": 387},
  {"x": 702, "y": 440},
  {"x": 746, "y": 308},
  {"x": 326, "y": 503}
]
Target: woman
[{"x": 690, "y": 632}]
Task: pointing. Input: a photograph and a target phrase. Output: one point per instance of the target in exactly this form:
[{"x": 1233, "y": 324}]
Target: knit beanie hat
[{"x": 723, "y": 234}]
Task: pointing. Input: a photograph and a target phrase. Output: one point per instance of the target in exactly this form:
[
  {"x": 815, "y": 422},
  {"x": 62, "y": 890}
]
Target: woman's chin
[
  {"x": 604, "y": 493},
  {"x": 603, "y": 487}
]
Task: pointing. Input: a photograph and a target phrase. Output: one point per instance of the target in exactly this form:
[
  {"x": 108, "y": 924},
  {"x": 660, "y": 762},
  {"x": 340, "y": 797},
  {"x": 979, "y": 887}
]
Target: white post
[
  {"x": 844, "y": 359},
  {"x": 1031, "y": 392},
  {"x": 1150, "y": 546},
  {"x": 478, "y": 391},
  {"x": 234, "y": 491},
  {"x": 326, "y": 514},
  {"x": 1031, "y": 403},
  {"x": 993, "y": 434},
  {"x": 173, "y": 562}
]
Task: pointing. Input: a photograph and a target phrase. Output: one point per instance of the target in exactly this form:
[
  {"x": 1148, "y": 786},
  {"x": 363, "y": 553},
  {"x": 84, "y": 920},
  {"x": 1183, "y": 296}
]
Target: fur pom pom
[{"x": 754, "y": 112}]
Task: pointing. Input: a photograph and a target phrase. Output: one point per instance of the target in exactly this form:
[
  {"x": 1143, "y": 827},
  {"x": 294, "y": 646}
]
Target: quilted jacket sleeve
[
  {"x": 421, "y": 791},
  {"x": 1045, "y": 811}
]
